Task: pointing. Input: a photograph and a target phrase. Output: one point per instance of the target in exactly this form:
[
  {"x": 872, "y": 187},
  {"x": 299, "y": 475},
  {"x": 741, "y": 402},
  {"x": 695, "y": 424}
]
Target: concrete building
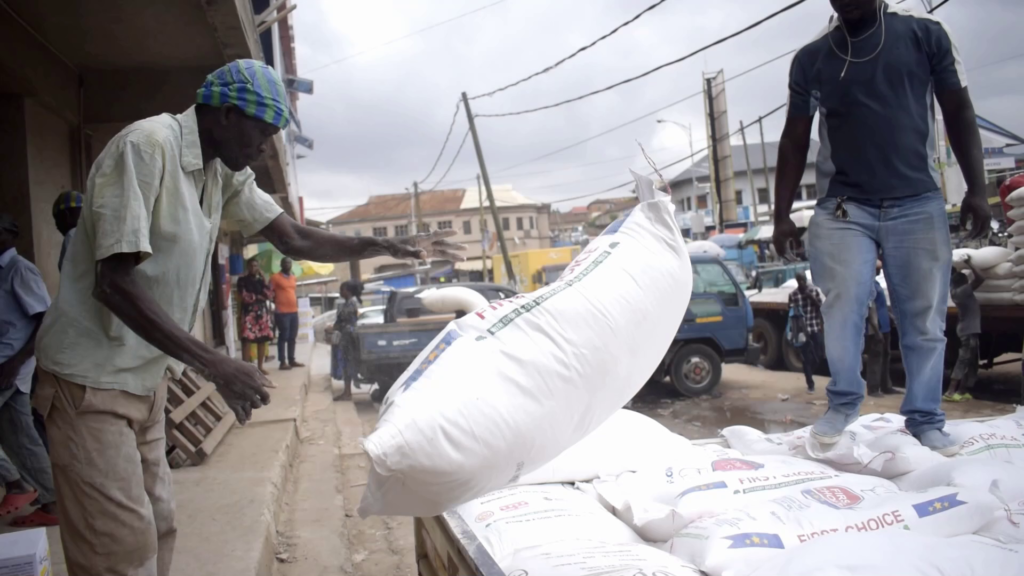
[
  {"x": 690, "y": 200},
  {"x": 73, "y": 74},
  {"x": 525, "y": 223}
]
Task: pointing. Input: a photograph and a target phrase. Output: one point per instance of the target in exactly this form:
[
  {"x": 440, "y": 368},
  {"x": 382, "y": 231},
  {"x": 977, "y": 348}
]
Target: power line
[
  {"x": 669, "y": 165},
  {"x": 573, "y": 55},
  {"x": 399, "y": 39},
  {"x": 652, "y": 70},
  {"x": 641, "y": 117},
  {"x": 454, "y": 158},
  {"x": 1007, "y": 59},
  {"x": 455, "y": 116}
]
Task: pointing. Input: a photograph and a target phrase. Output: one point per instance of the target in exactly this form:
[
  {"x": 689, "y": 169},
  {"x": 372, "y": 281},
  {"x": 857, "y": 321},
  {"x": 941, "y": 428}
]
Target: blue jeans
[
  {"x": 913, "y": 234},
  {"x": 287, "y": 330},
  {"x": 23, "y": 454}
]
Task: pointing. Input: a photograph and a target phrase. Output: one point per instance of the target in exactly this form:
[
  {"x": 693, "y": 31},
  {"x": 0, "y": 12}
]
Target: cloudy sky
[{"x": 379, "y": 117}]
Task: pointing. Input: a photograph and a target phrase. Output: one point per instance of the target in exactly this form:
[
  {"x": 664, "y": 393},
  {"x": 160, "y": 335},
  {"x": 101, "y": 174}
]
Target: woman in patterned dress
[{"x": 255, "y": 294}]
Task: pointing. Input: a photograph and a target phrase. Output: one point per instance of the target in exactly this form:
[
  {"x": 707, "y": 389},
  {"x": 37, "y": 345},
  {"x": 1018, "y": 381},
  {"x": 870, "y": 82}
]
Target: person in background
[
  {"x": 23, "y": 302},
  {"x": 968, "y": 327},
  {"x": 67, "y": 208},
  {"x": 345, "y": 320},
  {"x": 807, "y": 301},
  {"x": 254, "y": 294},
  {"x": 873, "y": 74},
  {"x": 286, "y": 314},
  {"x": 877, "y": 344}
]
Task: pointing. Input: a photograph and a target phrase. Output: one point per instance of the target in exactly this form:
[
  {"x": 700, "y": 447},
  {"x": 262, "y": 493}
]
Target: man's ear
[{"x": 225, "y": 113}]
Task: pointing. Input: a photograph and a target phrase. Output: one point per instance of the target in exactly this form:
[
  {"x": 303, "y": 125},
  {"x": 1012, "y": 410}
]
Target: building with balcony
[
  {"x": 691, "y": 200},
  {"x": 525, "y": 223}
]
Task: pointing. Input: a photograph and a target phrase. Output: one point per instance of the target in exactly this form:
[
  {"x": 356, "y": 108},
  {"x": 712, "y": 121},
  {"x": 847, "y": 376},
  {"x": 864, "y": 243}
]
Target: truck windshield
[
  {"x": 711, "y": 278},
  {"x": 739, "y": 274}
]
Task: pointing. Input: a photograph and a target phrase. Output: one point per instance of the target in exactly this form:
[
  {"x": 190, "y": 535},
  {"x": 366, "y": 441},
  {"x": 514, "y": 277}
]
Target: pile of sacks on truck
[{"x": 511, "y": 418}]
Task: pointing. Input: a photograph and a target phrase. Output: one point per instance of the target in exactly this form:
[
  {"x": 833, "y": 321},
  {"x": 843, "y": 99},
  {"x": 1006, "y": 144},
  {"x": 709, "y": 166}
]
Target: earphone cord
[{"x": 849, "y": 41}]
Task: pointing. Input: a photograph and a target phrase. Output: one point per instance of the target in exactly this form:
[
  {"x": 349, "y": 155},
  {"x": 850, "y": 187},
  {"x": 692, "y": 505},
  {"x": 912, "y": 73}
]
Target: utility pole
[
  {"x": 418, "y": 216},
  {"x": 490, "y": 192},
  {"x": 716, "y": 175},
  {"x": 483, "y": 228},
  {"x": 764, "y": 158},
  {"x": 750, "y": 172}
]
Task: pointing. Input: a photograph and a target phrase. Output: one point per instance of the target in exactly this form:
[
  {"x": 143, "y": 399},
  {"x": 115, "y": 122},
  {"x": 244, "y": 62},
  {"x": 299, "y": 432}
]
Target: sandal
[
  {"x": 12, "y": 503},
  {"x": 35, "y": 520}
]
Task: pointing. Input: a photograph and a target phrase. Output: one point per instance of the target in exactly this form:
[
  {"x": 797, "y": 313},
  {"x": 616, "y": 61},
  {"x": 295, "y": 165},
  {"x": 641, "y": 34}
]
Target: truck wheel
[
  {"x": 768, "y": 337},
  {"x": 377, "y": 395},
  {"x": 792, "y": 358},
  {"x": 696, "y": 370}
]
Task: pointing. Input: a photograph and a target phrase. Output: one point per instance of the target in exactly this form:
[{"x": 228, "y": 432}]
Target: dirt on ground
[{"x": 776, "y": 401}]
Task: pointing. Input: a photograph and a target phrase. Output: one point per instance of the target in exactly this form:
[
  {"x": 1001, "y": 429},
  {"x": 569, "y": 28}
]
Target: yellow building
[{"x": 534, "y": 268}]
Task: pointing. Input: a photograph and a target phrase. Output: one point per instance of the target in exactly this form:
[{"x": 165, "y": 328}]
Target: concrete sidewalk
[{"x": 228, "y": 508}]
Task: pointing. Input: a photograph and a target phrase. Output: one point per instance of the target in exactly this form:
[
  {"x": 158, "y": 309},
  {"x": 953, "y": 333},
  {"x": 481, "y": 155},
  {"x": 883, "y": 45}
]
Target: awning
[
  {"x": 470, "y": 265},
  {"x": 758, "y": 234}
]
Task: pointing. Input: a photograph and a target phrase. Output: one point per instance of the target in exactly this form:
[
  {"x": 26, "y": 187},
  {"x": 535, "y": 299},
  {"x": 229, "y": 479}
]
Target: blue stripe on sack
[{"x": 435, "y": 353}]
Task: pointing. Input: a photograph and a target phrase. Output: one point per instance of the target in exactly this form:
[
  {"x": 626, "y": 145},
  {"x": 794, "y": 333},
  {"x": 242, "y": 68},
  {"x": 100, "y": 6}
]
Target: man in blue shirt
[
  {"x": 23, "y": 301},
  {"x": 872, "y": 77}
]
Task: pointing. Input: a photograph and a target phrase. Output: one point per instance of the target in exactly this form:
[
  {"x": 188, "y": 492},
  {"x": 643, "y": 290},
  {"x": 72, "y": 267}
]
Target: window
[
  {"x": 763, "y": 196},
  {"x": 424, "y": 227},
  {"x": 739, "y": 197},
  {"x": 357, "y": 232},
  {"x": 711, "y": 278},
  {"x": 531, "y": 222},
  {"x": 702, "y": 202},
  {"x": 444, "y": 225},
  {"x": 810, "y": 192},
  {"x": 380, "y": 232},
  {"x": 504, "y": 223},
  {"x": 401, "y": 230},
  {"x": 689, "y": 203},
  {"x": 467, "y": 226},
  {"x": 519, "y": 223}
]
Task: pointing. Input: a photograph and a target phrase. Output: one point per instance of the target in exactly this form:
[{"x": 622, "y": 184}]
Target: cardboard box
[{"x": 25, "y": 553}]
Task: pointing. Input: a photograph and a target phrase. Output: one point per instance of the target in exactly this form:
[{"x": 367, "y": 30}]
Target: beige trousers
[{"x": 111, "y": 475}]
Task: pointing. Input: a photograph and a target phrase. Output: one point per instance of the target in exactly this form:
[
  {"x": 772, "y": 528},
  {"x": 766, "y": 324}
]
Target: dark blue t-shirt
[{"x": 877, "y": 124}]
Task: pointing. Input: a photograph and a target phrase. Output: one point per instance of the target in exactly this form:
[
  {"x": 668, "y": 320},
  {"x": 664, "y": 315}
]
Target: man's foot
[
  {"x": 13, "y": 502},
  {"x": 939, "y": 441},
  {"x": 829, "y": 428},
  {"x": 284, "y": 366},
  {"x": 876, "y": 394},
  {"x": 297, "y": 364},
  {"x": 810, "y": 390},
  {"x": 344, "y": 397},
  {"x": 264, "y": 371}
]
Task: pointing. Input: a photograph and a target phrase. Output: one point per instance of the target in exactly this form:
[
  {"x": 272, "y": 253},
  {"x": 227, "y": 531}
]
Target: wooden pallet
[{"x": 196, "y": 422}]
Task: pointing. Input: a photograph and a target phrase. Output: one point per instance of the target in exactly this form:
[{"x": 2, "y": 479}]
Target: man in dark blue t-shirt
[{"x": 872, "y": 77}]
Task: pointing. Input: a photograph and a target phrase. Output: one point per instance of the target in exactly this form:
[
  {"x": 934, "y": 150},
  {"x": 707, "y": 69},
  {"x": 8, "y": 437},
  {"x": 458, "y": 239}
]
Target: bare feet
[
  {"x": 297, "y": 364},
  {"x": 345, "y": 397}
]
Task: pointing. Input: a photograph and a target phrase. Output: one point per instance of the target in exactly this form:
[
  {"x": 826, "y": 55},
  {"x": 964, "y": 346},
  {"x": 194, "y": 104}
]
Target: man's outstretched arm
[{"x": 308, "y": 243}]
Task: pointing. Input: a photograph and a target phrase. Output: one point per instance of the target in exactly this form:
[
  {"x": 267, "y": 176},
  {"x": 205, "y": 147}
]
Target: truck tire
[
  {"x": 791, "y": 357},
  {"x": 766, "y": 335},
  {"x": 696, "y": 370}
]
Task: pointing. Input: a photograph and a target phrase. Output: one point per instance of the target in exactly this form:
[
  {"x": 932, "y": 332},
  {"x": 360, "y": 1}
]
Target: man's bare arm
[
  {"x": 239, "y": 383},
  {"x": 308, "y": 243},
  {"x": 793, "y": 147},
  {"x": 965, "y": 140}
]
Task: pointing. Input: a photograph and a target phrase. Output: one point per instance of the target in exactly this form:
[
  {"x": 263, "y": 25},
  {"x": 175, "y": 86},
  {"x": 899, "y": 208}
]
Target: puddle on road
[{"x": 698, "y": 418}]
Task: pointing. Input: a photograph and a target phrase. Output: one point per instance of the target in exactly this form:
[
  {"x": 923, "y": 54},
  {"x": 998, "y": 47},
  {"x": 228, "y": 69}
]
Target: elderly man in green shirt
[{"x": 130, "y": 293}]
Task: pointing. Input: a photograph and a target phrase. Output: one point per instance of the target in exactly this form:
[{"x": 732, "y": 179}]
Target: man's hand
[
  {"x": 976, "y": 209},
  {"x": 424, "y": 246},
  {"x": 9, "y": 373},
  {"x": 785, "y": 231},
  {"x": 240, "y": 384}
]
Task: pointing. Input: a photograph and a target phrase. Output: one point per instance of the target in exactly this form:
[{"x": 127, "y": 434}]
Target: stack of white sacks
[
  {"x": 634, "y": 498},
  {"x": 996, "y": 266},
  {"x": 1016, "y": 200}
]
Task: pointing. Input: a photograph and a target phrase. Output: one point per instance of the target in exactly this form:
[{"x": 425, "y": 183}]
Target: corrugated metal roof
[{"x": 386, "y": 206}]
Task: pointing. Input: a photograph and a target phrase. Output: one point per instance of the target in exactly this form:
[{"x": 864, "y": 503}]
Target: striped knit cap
[
  {"x": 252, "y": 86},
  {"x": 67, "y": 200}
]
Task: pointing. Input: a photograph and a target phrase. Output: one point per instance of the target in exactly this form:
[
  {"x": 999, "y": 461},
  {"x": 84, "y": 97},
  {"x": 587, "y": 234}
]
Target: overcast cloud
[{"x": 379, "y": 119}]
